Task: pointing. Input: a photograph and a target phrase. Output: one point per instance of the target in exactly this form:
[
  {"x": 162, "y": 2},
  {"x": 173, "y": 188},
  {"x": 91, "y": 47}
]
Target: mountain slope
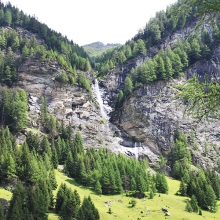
[
  {"x": 52, "y": 114},
  {"x": 97, "y": 48}
]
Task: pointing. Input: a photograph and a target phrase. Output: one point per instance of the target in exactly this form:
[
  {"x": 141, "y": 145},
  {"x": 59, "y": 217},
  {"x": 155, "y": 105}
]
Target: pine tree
[
  {"x": 183, "y": 57},
  {"x": 61, "y": 194},
  {"x": 44, "y": 111},
  {"x": 52, "y": 179},
  {"x": 169, "y": 70},
  {"x": 18, "y": 203},
  {"x": 183, "y": 188},
  {"x": 33, "y": 141},
  {"x": 118, "y": 182},
  {"x": 160, "y": 68},
  {"x": 195, "y": 52},
  {"x": 69, "y": 165},
  {"x": 81, "y": 175},
  {"x": 19, "y": 115},
  {"x": 161, "y": 183},
  {"x": 98, "y": 188},
  {"x": 88, "y": 211},
  {"x": 177, "y": 65},
  {"x": 2, "y": 215},
  {"x": 78, "y": 143},
  {"x": 210, "y": 198},
  {"x": 128, "y": 51},
  {"x": 140, "y": 184},
  {"x": 133, "y": 184},
  {"x": 10, "y": 167},
  {"x": 1, "y": 17},
  {"x": 128, "y": 86},
  {"x": 8, "y": 17},
  {"x": 45, "y": 146},
  {"x": 188, "y": 207},
  {"x": 120, "y": 99},
  {"x": 105, "y": 181},
  {"x": 141, "y": 47},
  {"x": 54, "y": 157},
  {"x": 15, "y": 212},
  {"x": 194, "y": 204},
  {"x": 151, "y": 194}
]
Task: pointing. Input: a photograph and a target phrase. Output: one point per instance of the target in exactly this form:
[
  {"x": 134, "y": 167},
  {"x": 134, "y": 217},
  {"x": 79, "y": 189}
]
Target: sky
[{"x": 88, "y": 21}]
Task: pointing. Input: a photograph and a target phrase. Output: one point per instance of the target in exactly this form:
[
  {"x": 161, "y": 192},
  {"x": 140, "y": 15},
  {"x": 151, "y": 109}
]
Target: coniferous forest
[{"x": 27, "y": 169}]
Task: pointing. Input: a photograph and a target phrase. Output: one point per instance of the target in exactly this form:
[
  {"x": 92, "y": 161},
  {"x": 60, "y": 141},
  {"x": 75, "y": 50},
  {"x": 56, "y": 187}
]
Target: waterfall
[
  {"x": 136, "y": 150},
  {"x": 99, "y": 99}
]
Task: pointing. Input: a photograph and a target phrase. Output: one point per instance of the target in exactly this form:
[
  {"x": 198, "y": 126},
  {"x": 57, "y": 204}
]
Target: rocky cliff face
[
  {"x": 152, "y": 114},
  {"x": 66, "y": 102},
  {"x": 73, "y": 105},
  {"x": 114, "y": 80}
]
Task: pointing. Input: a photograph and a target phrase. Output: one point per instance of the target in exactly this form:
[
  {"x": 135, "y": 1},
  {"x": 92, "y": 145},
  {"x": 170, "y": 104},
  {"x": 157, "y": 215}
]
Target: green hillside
[
  {"x": 97, "y": 48},
  {"x": 145, "y": 209}
]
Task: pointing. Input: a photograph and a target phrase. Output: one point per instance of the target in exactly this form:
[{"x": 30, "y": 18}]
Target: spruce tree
[
  {"x": 78, "y": 143},
  {"x": 17, "y": 203},
  {"x": 151, "y": 194},
  {"x": 188, "y": 207},
  {"x": 195, "y": 52},
  {"x": 128, "y": 86},
  {"x": 88, "y": 211},
  {"x": 161, "y": 183},
  {"x": 210, "y": 198},
  {"x": 133, "y": 184},
  {"x": 61, "y": 194},
  {"x": 183, "y": 188},
  {"x": 194, "y": 204},
  {"x": 98, "y": 188},
  {"x": 160, "y": 67},
  {"x": 52, "y": 179},
  {"x": 2, "y": 215},
  {"x": 169, "y": 69}
]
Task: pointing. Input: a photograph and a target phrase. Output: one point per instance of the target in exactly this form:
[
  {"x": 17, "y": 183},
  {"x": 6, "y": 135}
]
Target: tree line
[
  {"x": 159, "y": 27},
  {"x": 68, "y": 205},
  {"x": 13, "y": 17},
  {"x": 170, "y": 63},
  {"x": 15, "y": 49},
  {"x": 202, "y": 186}
]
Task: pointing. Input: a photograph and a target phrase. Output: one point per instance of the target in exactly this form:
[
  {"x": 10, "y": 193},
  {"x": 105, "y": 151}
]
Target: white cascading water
[
  {"x": 100, "y": 100},
  {"x": 105, "y": 109},
  {"x": 136, "y": 151}
]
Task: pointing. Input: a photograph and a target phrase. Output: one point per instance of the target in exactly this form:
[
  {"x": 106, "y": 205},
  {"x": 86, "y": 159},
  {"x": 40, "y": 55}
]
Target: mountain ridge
[{"x": 97, "y": 48}]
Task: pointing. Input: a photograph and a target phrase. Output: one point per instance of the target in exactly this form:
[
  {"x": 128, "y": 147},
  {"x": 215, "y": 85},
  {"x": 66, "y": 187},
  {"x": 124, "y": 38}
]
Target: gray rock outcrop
[{"x": 152, "y": 114}]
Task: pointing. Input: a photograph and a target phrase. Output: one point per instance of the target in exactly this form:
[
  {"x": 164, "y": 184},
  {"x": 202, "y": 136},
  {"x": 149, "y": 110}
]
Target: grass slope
[
  {"x": 5, "y": 194},
  {"x": 97, "y": 48},
  {"x": 145, "y": 208}
]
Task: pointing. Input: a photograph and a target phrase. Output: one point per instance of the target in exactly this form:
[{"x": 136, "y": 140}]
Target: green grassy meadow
[
  {"x": 144, "y": 209},
  {"x": 5, "y": 194},
  {"x": 119, "y": 204}
]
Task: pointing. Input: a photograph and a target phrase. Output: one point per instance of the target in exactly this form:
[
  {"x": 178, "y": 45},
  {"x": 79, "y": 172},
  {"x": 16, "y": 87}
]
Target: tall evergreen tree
[
  {"x": 2, "y": 215},
  {"x": 88, "y": 211},
  {"x": 128, "y": 86},
  {"x": 194, "y": 204}
]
